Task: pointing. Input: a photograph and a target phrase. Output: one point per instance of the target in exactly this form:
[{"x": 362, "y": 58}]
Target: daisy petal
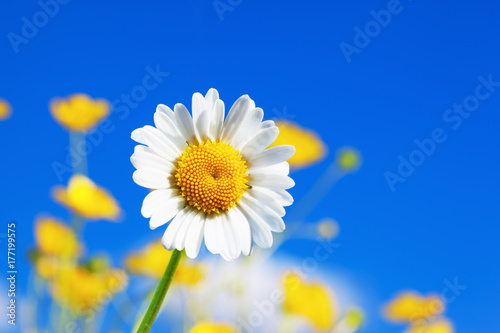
[
  {"x": 155, "y": 199},
  {"x": 144, "y": 157},
  {"x": 159, "y": 143},
  {"x": 281, "y": 196},
  {"x": 282, "y": 169},
  {"x": 272, "y": 156},
  {"x": 173, "y": 228},
  {"x": 167, "y": 126},
  {"x": 210, "y": 98},
  {"x": 197, "y": 105},
  {"x": 271, "y": 181},
  {"x": 220, "y": 238},
  {"x": 136, "y": 136},
  {"x": 217, "y": 120},
  {"x": 267, "y": 123},
  {"x": 232, "y": 248},
  {"x": 166, "y": 110},
  {"x": 151, "y": 178},
  {"x": 261, "y": 233},
  {"x": 271, "y": 218},
  {"x": 210, "y": 231},
  {"x": 263, "y": 139},
  {"x": 195, "y": 235},
  {"x": 166, "y": 212},
  {"x": 267, "y": 200},
  {"x": 235, "y": 116},
  {"x": 241, "y": 229},
  {"x": 180, "y": 238},
  {"x": 252, "y": 121},
  {"x": 202, "y": 126},
  {"x": 184, "y": 122}
]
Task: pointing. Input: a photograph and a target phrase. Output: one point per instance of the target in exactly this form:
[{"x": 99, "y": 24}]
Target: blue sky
[{"x": 441, "y": 223}]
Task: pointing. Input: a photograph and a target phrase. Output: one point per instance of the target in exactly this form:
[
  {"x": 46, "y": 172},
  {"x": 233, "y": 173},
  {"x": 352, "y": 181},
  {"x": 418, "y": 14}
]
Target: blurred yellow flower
[
  {"x": 53, "y": 237},
  {"x": 153, "y": 260},
  {"x": 308, "y": 146},
  {"x": 79, "y": 112},
  {"x": 328, "y": 228},
  {"x": 354, "y": 318},
  {"x": 410, "y": 306},
  {"x": 48, "y": 267},
  {"x": 213, "y": 327},
  {"x": 84, "y": 197},
  {"x": 83, "y": 291},
  {"x": 312, "y": 301},
  {"x": 5, "y": 109},
  {"x": 440, "y": 326},
  {"x": 97, "y": 264},
  {"x": 348, "y": 159}
]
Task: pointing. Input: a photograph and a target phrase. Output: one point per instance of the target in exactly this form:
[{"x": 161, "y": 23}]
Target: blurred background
[{"x": 393, "y": 107}]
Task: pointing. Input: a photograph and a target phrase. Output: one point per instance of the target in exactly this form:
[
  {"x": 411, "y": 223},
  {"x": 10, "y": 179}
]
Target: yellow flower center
[{"x": 211, "y": 176}]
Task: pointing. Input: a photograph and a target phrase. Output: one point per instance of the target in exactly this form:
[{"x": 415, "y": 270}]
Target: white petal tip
[
  {"x": 162, "y": 108},
  {"x": 191, "y": 255},
  {"x": 290, "y": 149},
  {"x": 168, "y": 248},
  {"x": 136, "y": 135}
]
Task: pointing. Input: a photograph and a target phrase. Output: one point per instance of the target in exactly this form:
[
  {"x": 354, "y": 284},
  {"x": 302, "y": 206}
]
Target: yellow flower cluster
[
  {"x": 312, "y": 301},
  {"x": 421, "y": 313},
  {"x": 79, "y": 112},
  {"x": 55, "y": 243},
  {"x": 410, "y": 306},
  {"x": 80, "y": 287},
  {"x": 54, "y": 238},
  {"x": 309, "y": 148},
  {"x": 87, "y": 199},
  {"x": 153, "y": 260},
  {"x": 83, "y": 291},
  {"x": 74, "y": 286}
]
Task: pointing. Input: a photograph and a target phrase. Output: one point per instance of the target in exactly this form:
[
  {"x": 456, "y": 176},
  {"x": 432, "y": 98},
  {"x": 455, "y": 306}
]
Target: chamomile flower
[{"x": 213, "y": 178}]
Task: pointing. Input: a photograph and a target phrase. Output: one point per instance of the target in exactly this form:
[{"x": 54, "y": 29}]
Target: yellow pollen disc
[{"x": 211, "y": 176}]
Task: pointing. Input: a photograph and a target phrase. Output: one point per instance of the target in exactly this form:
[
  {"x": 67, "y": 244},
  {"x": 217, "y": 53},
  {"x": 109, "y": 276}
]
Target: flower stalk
[{"x": 160, "y": 293}]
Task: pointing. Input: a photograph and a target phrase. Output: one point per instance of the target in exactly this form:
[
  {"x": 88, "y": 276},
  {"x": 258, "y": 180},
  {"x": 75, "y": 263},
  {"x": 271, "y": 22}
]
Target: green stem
[
  {"x": 160, "y": 293},
  {"x": 78, "y": 152}
]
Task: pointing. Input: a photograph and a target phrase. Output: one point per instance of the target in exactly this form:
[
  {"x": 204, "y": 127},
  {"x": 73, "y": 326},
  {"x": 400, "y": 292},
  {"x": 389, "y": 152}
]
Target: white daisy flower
[{"x": 214, "y": 179}]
